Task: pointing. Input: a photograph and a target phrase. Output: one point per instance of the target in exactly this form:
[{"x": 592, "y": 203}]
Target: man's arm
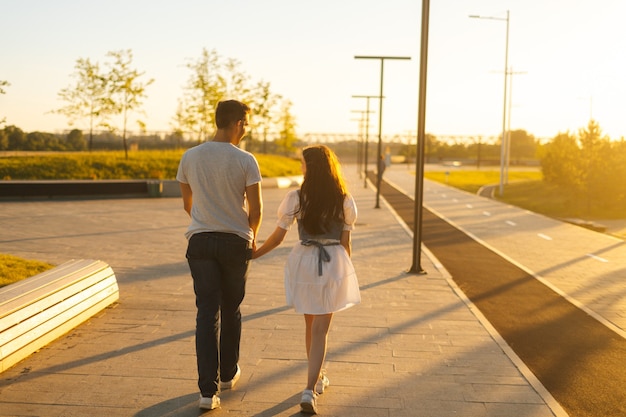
[
  {"x": 255, "y": 209},
  {"x": 185, "y": 190}
]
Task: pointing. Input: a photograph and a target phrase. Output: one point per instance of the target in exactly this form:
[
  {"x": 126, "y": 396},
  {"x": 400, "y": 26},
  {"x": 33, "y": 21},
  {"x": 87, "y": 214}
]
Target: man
[{"x": 221, "y": 190}]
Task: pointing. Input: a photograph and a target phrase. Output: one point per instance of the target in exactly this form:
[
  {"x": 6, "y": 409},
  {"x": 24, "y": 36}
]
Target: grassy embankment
[{"x": 113, "y": 165}]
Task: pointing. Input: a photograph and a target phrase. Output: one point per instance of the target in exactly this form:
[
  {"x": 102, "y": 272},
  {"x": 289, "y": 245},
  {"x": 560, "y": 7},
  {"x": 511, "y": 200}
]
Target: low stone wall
[{"x": 16, "y": 190}]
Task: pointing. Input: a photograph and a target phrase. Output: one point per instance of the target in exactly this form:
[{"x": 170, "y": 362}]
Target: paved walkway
[{"x": 414, "y": 347}]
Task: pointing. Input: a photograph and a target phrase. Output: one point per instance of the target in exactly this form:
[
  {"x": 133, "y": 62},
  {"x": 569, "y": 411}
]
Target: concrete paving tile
[{"x": 487, "y": 393}]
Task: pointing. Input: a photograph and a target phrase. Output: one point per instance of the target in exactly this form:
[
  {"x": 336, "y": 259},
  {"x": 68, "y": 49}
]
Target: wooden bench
[{"x": 38, "y": 310}]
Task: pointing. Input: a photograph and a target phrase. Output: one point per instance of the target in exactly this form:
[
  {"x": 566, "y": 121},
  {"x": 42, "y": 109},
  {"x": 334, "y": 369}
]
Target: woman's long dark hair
[{"x": 323, "y": 190}]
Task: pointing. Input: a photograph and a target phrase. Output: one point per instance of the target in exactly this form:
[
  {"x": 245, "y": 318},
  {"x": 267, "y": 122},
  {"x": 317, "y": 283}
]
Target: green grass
[
  {"x": 526, "y": 189},
  {"x": 110, "y": 165},
  {"x": 13, "y": 269},
  {"x": 471, "y": 181}
]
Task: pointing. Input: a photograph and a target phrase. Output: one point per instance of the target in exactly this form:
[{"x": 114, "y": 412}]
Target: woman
[{"x": 319, "y": 276}]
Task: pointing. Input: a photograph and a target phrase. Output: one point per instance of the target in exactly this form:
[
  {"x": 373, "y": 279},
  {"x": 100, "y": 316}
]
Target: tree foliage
[
  {"x": 589, "y": 165},
  {"x": 264, "y": 108},
  {"x": 287, "y": 135},
  {"x": 87, "y": 97},
  {"x": 125, "y": 89},
  {"x": 213, "y": 79},
  {"x": 15, "y": 139},
  {"x": 204, "y": 89},
  {"x": 97, "y": 95},
  {"x": 3, "y": 84}
]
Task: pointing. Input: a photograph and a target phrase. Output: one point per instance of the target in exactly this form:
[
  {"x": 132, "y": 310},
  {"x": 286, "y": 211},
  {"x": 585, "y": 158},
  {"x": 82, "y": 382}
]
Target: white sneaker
[
  {"x": 322, "y": 382},
  {"x": 231, "y": 384},
  {"x": 209, "y": 403},
  {"x": 308, "y": 403}
]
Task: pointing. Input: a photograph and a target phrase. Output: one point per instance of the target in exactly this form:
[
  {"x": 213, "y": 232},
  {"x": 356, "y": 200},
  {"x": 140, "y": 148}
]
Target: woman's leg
[{"x": 316, "y": 336}]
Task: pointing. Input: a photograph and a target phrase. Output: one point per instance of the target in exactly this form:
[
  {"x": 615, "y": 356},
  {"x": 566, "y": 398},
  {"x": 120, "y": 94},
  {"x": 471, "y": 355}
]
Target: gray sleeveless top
[{"x": 334, "y": 235}]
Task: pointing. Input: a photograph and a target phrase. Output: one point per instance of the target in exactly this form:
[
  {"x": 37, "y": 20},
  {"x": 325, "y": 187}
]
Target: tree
[
  {"x": 205, "y": 88},
  {"x": 287, "y": 125},
  {"x": 75, "y": 140},
  {"x": 16, "y": 138},
  {"x": 235, "y": 81},
  {"x": 595, "y": 153},
  {"x": 4, "y": 140},
  {"x": 125, "y": 90},
  {"x": 87, "y": 97},
  {"x": 263, "y": 104},
  {"x": 2, "y": 85},
  {"x": 560, "y": 163},
  {"x": 523, "y": 146},
  {"x": 42, "y": 141}
]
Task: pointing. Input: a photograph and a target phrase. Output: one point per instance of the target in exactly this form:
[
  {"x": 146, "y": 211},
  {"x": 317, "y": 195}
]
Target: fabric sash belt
[{"x": 322, "y": 253}]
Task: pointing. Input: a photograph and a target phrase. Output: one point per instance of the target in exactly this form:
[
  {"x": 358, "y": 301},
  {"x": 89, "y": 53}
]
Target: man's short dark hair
[{"x": 230, "y": 111}]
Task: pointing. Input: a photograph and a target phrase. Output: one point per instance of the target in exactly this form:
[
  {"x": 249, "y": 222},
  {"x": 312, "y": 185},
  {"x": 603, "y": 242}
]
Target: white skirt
[{"x": 310, "y": 293}]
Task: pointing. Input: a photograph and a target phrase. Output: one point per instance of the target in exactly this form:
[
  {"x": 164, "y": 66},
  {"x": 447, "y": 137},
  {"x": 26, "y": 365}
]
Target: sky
[{"x": 567, "y": 59}]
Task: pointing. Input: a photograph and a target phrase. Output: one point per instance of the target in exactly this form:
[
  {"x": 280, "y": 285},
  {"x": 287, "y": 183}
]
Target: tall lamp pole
[
  {"x": 504, "y": 111},
  {"x": 367, "y": 134},
  {"x": 416, "y": 267},
  {"x": 380, "y": 116},
  {"x": 362, "y": 122}
]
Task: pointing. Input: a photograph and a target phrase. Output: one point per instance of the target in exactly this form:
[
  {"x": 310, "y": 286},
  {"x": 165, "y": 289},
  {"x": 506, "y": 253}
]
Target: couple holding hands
[{"x": 221, "y": 191}]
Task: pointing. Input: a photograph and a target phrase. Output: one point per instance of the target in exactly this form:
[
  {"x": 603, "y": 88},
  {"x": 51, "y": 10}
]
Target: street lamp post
[
  {"x": 362, "y": 122},
  {"x": 367, "y": 134},
  {"x": 416, "y": 266},
  {"x": 504, "y": 111},
  {"x": 380, "y": 116}
]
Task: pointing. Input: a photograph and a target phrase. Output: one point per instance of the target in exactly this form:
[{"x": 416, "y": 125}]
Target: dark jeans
[{"x": 219, "y": 267}]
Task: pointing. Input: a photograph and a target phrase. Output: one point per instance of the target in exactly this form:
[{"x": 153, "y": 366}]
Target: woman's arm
[
  {"x": 272, "y": 241},
  {"x": 346, "y": 241}
]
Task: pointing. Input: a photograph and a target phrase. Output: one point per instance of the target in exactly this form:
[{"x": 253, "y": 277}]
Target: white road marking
[
  {"x": 546, "y": 237},
  {"x": 510, "y": 223},
  {"x": 597, "y": 258}
]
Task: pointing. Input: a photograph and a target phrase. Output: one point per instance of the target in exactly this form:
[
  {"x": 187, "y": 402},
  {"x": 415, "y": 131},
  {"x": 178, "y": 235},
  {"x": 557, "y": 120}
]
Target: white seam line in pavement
[
  {"x": 486, "y": 213},
  {"x": 546, "y": 237},
  {"x": 597, "y": 258},
  {"x": 510, "y": 223},
  {"x": 469, "y": 206}
]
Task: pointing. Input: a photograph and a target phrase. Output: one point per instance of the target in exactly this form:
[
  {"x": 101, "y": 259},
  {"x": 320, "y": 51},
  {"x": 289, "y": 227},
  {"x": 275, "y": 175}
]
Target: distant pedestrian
[
  {"x": 319, "y": 276},
  {"x": 382, "y": 164},
  {"x": 221, "y": 190}
]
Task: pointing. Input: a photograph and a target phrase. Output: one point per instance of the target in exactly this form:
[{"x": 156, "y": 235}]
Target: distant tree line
[
  {"x": 476, "y": 150},
  {"x": 13, "y": 138}
]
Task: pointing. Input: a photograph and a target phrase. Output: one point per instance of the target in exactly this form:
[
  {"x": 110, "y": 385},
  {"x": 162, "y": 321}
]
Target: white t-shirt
[{"x": 218, "y": 174}]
